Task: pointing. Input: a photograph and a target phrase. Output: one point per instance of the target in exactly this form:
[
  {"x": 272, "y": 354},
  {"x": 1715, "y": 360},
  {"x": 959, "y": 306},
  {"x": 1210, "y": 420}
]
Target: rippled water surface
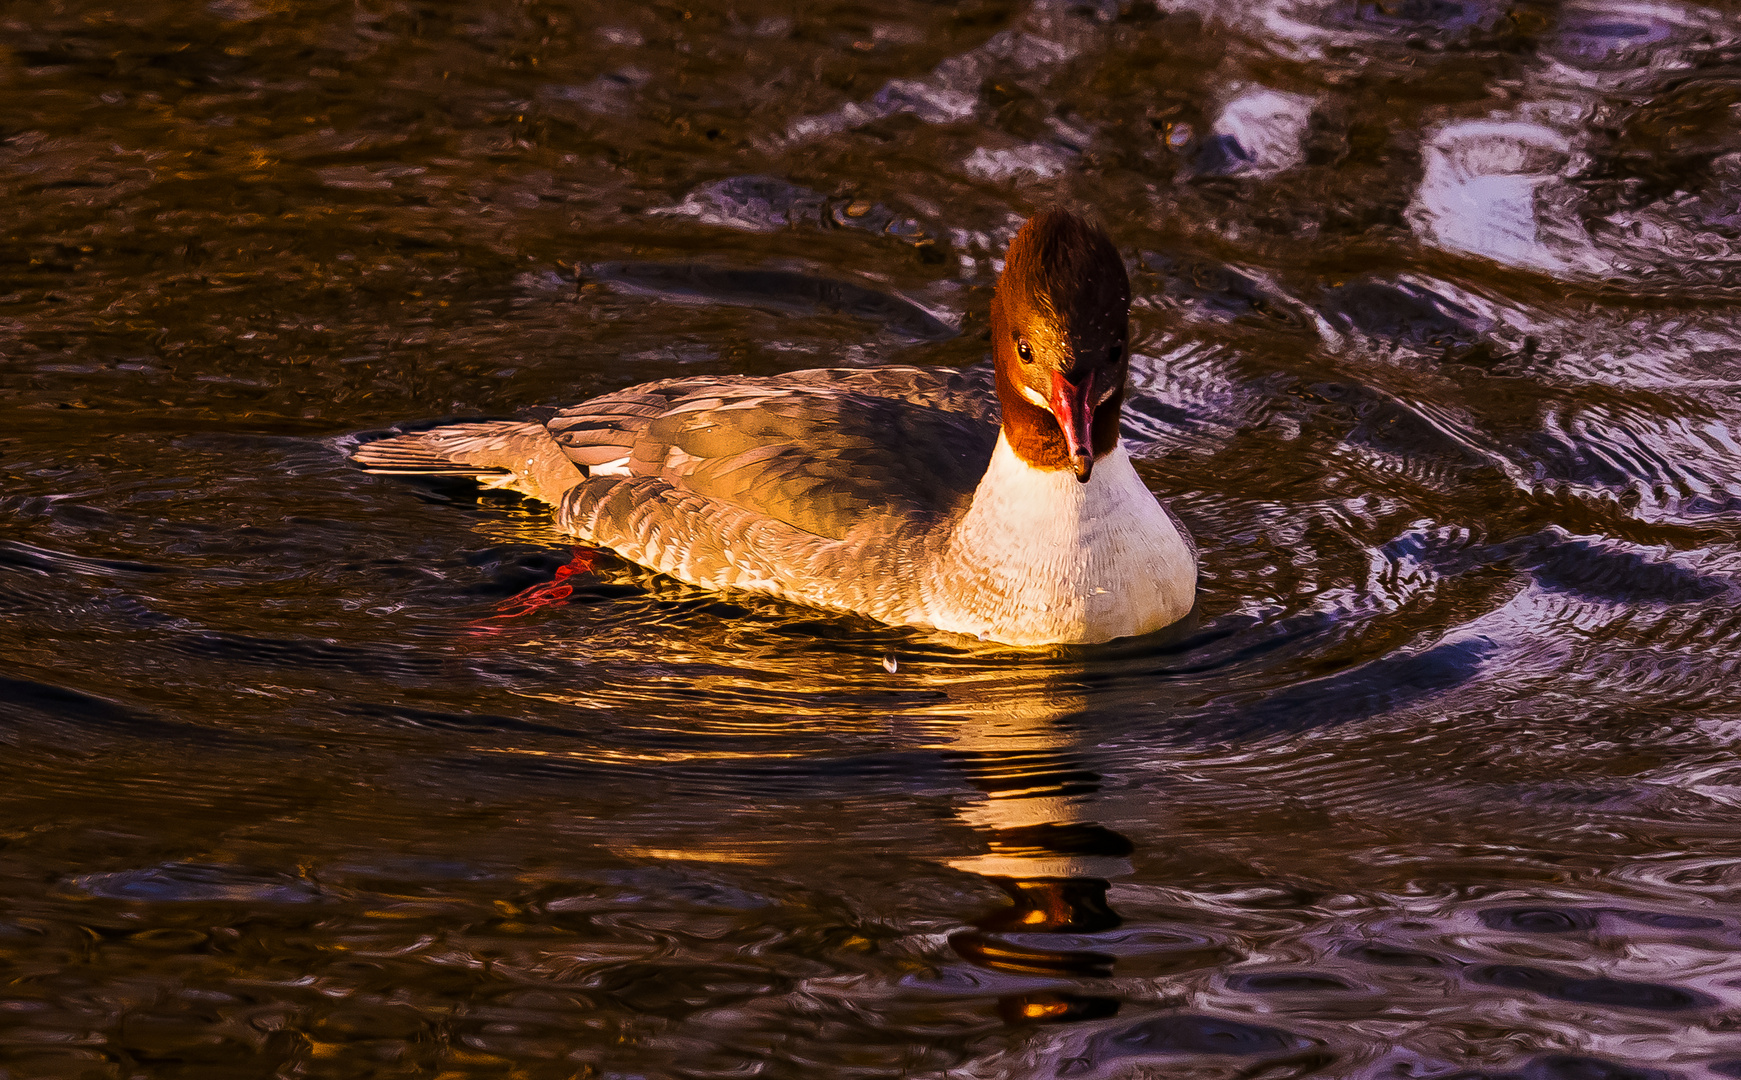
[{"x": 1437, "y": 348}]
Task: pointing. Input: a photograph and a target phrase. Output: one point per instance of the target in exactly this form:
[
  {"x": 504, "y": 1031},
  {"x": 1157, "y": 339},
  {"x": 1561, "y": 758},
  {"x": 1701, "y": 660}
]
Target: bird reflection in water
[
  {"x": 1045, "y": 852},
  {"x": 1018, "y": 736}
]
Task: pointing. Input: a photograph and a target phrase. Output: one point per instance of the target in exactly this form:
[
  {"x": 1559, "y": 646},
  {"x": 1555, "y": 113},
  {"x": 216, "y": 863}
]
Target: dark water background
[{"x": 1438, "y": 344}]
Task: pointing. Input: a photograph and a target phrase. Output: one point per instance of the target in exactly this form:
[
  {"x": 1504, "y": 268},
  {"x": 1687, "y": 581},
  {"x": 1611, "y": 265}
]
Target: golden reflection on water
[
  {"x": 1009, "y": 724},
  {"x": 1044, "y": 848}
]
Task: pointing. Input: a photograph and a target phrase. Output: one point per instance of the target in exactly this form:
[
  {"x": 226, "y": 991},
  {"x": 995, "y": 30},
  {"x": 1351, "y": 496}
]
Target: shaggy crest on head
[{"x": 1060, "y": 323}]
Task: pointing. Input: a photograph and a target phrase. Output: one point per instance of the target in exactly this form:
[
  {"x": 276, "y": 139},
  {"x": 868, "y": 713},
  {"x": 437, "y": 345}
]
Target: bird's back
[{"x": 822, "y": 486}]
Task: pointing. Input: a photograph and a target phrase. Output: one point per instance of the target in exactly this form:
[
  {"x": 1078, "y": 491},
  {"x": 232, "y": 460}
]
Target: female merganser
[{"x": 996, "y": 504}]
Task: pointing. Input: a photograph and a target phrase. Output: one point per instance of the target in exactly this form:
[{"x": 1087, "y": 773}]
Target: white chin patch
[{"x": 1034, "y": 397}]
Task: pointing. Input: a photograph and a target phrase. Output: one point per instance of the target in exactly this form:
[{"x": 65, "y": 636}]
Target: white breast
[{"x": 1041, "y": 558}]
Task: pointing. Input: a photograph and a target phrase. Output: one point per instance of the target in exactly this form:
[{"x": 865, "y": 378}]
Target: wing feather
[{"x": 820, "y": 451}]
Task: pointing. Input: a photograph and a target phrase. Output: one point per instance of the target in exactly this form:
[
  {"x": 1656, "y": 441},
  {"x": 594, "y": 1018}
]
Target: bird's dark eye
[
  {"x": 1117, "y": 351},
  {"x": 1025, "y": 351}
]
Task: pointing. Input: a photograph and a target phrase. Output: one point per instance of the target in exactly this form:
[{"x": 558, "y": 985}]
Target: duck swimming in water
[{"x": 995, "y": 504}]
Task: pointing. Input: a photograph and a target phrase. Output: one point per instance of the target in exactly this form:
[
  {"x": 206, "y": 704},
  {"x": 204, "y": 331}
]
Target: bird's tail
[{"x": 519, "y": 455}]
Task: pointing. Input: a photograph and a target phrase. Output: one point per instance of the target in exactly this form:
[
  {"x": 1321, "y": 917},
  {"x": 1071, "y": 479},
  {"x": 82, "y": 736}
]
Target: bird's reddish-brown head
[{"x": 1060, "y": 326}]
